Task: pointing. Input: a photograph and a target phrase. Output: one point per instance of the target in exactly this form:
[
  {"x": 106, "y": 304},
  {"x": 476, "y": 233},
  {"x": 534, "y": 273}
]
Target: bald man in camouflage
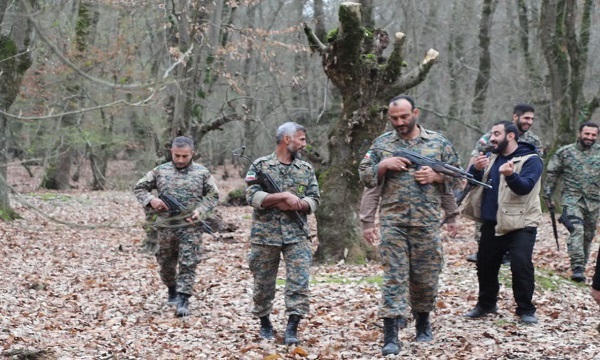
[
  {"x": 578, "y": 165},
  {"x": 410, "y": 215},
  {"x": 179, "y": 239}
]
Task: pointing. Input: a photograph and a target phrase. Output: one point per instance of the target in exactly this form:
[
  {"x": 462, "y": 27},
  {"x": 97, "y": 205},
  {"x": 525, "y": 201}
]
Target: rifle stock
[{"x": 553, "y": 218}]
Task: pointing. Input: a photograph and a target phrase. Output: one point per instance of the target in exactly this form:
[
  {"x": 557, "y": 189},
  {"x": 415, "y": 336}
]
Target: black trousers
[{"x": 491, "y": 249}]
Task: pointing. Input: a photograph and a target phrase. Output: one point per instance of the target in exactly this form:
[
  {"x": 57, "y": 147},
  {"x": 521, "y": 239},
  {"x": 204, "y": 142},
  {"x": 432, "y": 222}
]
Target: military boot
[
  {"x": 578, "y": 274},
  {"x": 291, "y": 331},
  {"x": 423, "y": 327},
  {"x": 266, "y": 328},
  {"x": 391, "y": 346},
  {"x": 183, "y": 305},
  {"x": 173, "y": 295}
]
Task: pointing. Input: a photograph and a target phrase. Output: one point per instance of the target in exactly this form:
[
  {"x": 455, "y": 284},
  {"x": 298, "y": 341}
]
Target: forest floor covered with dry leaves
[{"x": 76, "y": 286}]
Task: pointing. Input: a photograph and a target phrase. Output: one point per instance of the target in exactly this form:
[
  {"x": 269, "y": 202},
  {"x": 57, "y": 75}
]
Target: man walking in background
[
  {"x": 274, "y": 231},
  {"x": 410, "y": 215},
  {"x": 179, "y": 239},
  {"x": 578, "y": 165}
]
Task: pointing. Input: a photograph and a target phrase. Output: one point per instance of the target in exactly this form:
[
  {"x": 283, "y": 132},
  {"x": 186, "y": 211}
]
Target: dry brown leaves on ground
[{"x": 84, "y": 291}]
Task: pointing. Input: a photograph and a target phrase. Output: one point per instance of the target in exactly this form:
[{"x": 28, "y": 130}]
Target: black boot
[
  {"x": 291, "y": 331},
  {"x": 423, "y": 327},
  {"x": 183, "y": 305},
  {"x": 390, "y": 337},
  {"x": 266, "y": 328},
  {"x": 578, "y": 274},
  {"x": 173, "y": 295}
]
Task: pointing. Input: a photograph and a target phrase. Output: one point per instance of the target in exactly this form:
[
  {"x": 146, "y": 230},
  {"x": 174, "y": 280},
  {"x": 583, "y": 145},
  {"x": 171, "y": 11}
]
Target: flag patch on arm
[{"x": 250, "y": 176}]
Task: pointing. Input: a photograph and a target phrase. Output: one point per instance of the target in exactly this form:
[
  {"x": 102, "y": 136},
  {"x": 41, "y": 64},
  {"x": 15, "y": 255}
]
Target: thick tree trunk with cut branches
[{"x": 354, "y": 63}]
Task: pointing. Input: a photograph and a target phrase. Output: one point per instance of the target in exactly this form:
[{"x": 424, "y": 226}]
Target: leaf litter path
[{"x": 87, "y": 292}]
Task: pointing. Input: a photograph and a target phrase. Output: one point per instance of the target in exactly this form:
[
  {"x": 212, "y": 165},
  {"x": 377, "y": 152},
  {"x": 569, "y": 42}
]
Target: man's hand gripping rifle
[
  {"x": 267, "y": 184},
  {"x": 417, "y": 160},
  {"x": 176, "y": 209}
]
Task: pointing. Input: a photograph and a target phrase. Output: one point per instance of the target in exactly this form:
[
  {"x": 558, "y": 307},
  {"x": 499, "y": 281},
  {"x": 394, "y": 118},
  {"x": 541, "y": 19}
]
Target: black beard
[
  {"x": 521, "y": 129},
  {"x": 501, "y": 146},
  {"x": 586, "y": 146}
]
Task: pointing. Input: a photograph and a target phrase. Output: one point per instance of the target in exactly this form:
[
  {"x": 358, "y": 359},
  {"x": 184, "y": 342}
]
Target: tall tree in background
[
  {"x": 60, "y": 158},
  {"x": 485, "y": 60},
  {"x": 355, "y": 65},
  {"x": 566, "y": 54},
  {"x": 15, "y": 59}
]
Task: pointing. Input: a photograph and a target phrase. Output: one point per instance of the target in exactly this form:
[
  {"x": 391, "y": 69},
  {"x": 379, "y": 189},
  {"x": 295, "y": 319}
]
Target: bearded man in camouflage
[
  {"x": 410, "y": 217},
  {"x": 578, "y": 164},
  {"x": 274, "y": 232},
  {"x": 179, "y": 239}
]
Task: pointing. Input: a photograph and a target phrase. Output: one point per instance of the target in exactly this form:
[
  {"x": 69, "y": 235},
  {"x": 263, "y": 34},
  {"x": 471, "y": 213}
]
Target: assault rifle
[
  {"x": 267, "y": 184},
  {"x": 550, "y": 206},
  {"x": 417, "y": 160},
  {"x": 463, "y": 194},
  {"x": 564, "y": 219},
  {"x": 175, "y": 208}
]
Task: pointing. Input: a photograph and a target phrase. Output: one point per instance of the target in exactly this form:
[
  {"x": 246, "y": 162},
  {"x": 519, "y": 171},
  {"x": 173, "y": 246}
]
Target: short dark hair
[
  {"x": 404, "y": 97},
  {"x": 588, "y": 124},
  {"x": 521, "y": 109},
  {"x": 509, "y": 127}
]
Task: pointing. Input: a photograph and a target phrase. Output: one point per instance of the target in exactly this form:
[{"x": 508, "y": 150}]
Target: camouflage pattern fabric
[
  {"x": 403, "y": 200},
  {"x": 179, "y": 246},
  {"x": 274, "y": 232},
  {"x": 580, "y": 171},
  {"x": 273, "y": 226},
  {"x": 150, "y": 243},
  {"x": 410, "y": 217},
  {"x": 264, "y": 262},
  {"x": 412, "y": 259},
  {"x": 178, "y": 241}
]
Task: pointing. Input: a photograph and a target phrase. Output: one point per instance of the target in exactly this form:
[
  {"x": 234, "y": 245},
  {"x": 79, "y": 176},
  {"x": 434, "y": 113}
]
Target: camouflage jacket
[
  {"x": 403, "y": 200},
  {"x": 580, "y": 171},
  {"x": 484, "y": 142},
  {"x": 193, "y": 186},
  {"x": 272, "y": 226}
]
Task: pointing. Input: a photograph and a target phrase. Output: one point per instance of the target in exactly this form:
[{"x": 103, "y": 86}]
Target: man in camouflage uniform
[
  {"x": 578, "y": 165},
  {"x": 523, "y": 116},
  {"x": 410, "y": 216},
  {"x": 274, "y": 232},
  {"x": 179, "y": 238}
]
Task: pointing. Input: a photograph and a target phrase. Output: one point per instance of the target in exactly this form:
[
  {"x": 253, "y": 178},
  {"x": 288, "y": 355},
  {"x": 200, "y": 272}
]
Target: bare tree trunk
[
  {"x": 566, "y": 56},
  {"x": 319, "y": 18},
  {"x": 355, "y": 65},
  {"x": 15, "y": 59},
  {"x": 485, "y": 60},
  {"x": 57, "y": 173}
]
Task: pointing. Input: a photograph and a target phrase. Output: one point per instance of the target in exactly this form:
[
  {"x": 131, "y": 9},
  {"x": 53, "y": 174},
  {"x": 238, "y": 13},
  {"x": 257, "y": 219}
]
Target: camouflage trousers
[
  {"x": 412, "y": 259},
  {"x": 580, "y": 240},
  {"x": 264, "y": 262},
  {"x": 179, "y": 246}
]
